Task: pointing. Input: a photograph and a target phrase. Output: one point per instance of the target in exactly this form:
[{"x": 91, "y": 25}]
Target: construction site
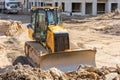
[{"x": 98, "y": 33}]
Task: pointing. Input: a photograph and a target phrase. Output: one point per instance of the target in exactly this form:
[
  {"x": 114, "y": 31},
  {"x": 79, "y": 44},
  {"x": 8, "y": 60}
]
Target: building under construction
[{"x": 78, "y": 7}]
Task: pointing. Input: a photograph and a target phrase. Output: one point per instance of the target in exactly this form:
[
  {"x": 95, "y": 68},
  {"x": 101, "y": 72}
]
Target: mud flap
[{"x": 68, "y": 61}]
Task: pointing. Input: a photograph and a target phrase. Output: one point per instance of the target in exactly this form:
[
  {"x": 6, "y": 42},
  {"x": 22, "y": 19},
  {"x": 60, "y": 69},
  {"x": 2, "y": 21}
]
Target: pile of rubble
[
  {"x": 26, "y": 72},
  {"x": 112, "y": 30},
  {"x": 112, "y": 15},
  {"x": 10, "y": 28}
]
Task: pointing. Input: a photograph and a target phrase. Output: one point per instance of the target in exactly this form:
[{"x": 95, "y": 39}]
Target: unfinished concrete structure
[{"x": 79, "y": 7}]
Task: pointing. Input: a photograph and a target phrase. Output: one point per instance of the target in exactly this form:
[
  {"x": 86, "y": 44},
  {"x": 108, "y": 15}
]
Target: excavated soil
[
  {"x": 25, "y": 72},
  {"x": 101, "y": 32}
]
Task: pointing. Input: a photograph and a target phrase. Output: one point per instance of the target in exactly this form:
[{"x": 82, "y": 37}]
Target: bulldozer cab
[{"x": 41, "y": 18}]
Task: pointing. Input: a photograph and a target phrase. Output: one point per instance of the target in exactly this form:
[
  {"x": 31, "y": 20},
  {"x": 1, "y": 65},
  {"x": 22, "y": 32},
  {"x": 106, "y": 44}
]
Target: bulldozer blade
[{"x": 68, "y": 61}]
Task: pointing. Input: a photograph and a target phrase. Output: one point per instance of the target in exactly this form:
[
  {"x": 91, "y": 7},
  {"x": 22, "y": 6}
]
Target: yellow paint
[
  {"x": 30, "y": 33},
  {"x": 57, "y": 29},
  {"x": 50, "y": 40},
  {"x": 50, "y": 35}
]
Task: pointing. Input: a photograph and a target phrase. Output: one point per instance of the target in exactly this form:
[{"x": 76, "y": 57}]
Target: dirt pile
[
  {"x": 4, "y": 25},
  {"x": 13, "y": 35},
  {"x": 114, "y": 15},
  {"x": 26, "y": 72},
  {"x": 10, "y": 28},
  {"x": 112, "y": 30}
]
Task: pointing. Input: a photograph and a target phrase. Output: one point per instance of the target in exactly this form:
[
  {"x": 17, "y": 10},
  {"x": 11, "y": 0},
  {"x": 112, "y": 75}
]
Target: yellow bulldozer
[{"x": 50, "y": 44}]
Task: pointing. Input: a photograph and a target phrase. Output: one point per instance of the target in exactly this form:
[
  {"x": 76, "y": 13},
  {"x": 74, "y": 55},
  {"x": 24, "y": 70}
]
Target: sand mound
[
  {"x": 115, "y": 15},
  {"x": 111, "y": 30},
  {"x": 10, "y": 28},
  {"x": 26, "y": 72}
]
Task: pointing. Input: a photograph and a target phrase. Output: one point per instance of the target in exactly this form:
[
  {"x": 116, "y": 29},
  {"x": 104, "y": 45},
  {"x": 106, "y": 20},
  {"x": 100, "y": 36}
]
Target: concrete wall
[{"x": 68, "y": 5}]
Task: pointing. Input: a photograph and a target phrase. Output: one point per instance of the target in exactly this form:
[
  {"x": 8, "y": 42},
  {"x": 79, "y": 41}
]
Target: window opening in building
[
  {"x": 35, "y": 3},
  {"x": 88, "y": 8},
  {"x": 100, "y": 8},
  {"x": 39, "y": 4},
  {"x": 42, "y": 4},
  {"x": 30, "y": 5},
  {"x": 113, "y": 7},
  {"x": 56, "y": 4},
  {"x": 76, "y": 7},
  {"x": 63, "y": 6},
  {"x": 48, "y": 4}
]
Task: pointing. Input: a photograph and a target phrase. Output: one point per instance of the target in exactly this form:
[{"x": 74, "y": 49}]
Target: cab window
[{"x": 33, "y": 20}]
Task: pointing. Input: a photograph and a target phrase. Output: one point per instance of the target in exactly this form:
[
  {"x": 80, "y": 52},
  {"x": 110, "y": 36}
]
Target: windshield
[
  {"x": 13, "y": 4},
  {"x": 59, "y": 16},
  {"x": 51, "y": 17},
  {"x": 54, "y": 17}
]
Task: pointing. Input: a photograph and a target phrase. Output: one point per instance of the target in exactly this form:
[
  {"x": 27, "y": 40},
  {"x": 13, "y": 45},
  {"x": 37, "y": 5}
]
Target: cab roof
[{"x": 45, "y": 7}]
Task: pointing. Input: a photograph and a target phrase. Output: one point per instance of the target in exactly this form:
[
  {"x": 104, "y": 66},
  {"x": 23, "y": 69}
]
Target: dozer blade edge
[{"x": 68, "y": 61}]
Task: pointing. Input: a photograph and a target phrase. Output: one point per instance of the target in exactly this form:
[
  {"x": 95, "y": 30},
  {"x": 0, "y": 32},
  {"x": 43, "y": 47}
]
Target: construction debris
[
  {"x": 25, "y": 72},
  {"x": 14, "y": 28},
  {"x": 10, "y": 28},
  {"x": 112, "y": 30},
  {"x": 113, "y": 15}
]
